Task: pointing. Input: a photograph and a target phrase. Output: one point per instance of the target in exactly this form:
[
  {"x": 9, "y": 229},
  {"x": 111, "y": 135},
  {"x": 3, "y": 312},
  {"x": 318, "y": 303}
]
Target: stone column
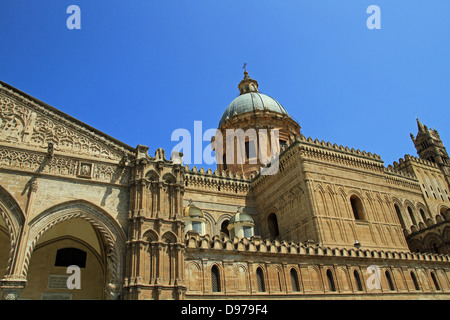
[{"x": 11, "y": 288}]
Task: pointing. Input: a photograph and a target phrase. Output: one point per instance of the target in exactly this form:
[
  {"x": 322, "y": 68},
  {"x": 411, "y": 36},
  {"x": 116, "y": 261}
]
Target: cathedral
[{"x": 330, "y": 222}]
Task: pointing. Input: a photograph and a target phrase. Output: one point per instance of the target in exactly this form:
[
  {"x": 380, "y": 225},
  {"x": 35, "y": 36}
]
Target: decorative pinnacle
[
  {"x": 247, "y": 84},
  {"x": 420, "y": 125}
]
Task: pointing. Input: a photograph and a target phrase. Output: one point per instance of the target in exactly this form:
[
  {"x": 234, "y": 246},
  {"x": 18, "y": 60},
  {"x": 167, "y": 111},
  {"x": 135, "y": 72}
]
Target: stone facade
[{"x": 332, "y": 223}]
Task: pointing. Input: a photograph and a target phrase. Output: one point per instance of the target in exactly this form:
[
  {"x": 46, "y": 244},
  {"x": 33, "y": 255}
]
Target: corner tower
[
  {"x": 252, "y": 128},
  {"x": 429, "y": 145}
]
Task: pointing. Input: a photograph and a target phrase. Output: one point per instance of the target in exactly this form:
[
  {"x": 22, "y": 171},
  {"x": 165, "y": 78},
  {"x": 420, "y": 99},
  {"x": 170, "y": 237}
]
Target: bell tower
[{"x": 429, "y": 145}]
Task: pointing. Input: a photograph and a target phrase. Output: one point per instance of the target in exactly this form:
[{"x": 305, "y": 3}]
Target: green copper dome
[{"x": 252, "y": 101}]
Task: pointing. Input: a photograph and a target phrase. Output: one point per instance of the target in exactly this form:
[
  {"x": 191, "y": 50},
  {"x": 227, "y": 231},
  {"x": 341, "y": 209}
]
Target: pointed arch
[
  {"x": 294, "y": 280},
  {"x": 151, "y": 236},
  {"x": 169, "y": 237},
  {"x": 12, "y": 214},
  {"x": 215, "y": 279},
  {"x": 330, "y": 278},
  {"x": 112, "y": 233},
  {"x": 152, "y": 175},
  {"x": 169, "y": 178},
  {"x": 261, "y": 287}
]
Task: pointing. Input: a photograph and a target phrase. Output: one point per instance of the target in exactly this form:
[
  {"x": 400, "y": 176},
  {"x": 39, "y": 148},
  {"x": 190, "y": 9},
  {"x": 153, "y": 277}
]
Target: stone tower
[
  {"x": 429, "y": 147},
  {"x": 155, "y": 255}
]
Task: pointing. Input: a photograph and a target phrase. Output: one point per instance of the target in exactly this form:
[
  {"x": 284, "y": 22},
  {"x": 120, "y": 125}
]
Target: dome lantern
[{"x": 247, "y": 84}]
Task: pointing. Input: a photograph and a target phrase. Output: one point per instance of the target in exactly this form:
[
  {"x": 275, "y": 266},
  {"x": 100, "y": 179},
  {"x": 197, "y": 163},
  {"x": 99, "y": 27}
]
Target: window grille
[
  {"x": 215, "y": 279},
  {"x": 260, "y": 280}
]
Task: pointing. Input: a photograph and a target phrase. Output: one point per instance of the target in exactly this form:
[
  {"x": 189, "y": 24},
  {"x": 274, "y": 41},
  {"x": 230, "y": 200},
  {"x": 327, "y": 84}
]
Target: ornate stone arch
[
  {"x": 416, "y": 246},
  {"x": 432, "y": 241},
  {"x": 221, "y": 219},
  {"x": 152, "y": 175},
  {"x": 111, "y": 231},
  {"x": 170, "y": 237},
  {"x": 151, "y": 235},
  {"x": 215, "y": 229},
  {"x": 12, "y": 214},
  {"x": 169, "y": 178}
]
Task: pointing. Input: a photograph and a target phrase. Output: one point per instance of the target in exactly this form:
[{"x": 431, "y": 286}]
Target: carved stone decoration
[
  {"x": 20, "y": 124},
  {"x": 109, "y": 229},
  {"x": 31, "y": 161},
  {"x": 85, "y": 170}
]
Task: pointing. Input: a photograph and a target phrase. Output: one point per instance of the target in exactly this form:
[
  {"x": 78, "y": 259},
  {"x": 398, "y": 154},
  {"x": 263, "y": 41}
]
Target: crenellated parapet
[
  {"x": 401, "y": 162},
  {"x": 396, "y": 176},
  {"x": 315, "y": 150},
  {"x": 257, "y": 245},
  {"x": 217, "y": 181}
]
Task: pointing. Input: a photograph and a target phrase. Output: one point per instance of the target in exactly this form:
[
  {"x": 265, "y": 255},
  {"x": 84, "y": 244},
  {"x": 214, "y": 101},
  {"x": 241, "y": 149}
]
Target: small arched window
[
  {"x": 414, "y": 279},
  {"x": 331, "y": 285},
  {"x": 389, "y": 280},
  {"x": 435, "y": 282},
  {"x": 272, "y": 223},
  {"x": 399, "y": 215},
  {"x": 411, "y": 215},
  {"x": 260, "y": 280},
  {"x": 294, "y": 281},
  {"x": 357, "y": 207},
  {"x": 215, "y": 279},
  {"x": 422, "y": 213},
  {"x": 224, "y": 227},
  {"x": 358, "y": 281}
]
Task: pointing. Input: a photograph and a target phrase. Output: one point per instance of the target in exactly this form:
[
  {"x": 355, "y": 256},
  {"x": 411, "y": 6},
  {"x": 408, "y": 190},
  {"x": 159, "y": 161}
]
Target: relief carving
[
  {"x": 22, "y": 125},
  {"x": 30, "y": 161}
]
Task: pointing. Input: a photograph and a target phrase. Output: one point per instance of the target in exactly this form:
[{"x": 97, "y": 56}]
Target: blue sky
[{"x": 139, "y": 69}]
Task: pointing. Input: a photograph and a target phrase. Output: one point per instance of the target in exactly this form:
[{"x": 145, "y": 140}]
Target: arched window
[
  {"x": 70, "y": 256},
  {"x": 260, "y": 280},
  {"x": 411, "y": 215},
  {"x": 399, "y": 215},
  {"x": 294, "y": 281},
  {"x": 389, "y": 280},
  {"x": 424, "y": 218},
  {"x": 223, "y": 227},
  {"x": 436, "y": 284},
  {"x": 215, "y": 279},
  {"x": 272, "y": 223},
  {"x": 331, "y": 285},
  {"x": 357, "y": 207},
  {"x": 414, "y": 279},
  {"x": 358, "y": 281}
]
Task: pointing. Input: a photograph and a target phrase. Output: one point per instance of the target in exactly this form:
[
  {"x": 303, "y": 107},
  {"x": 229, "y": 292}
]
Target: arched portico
[{"x": 83, "y": 226}]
